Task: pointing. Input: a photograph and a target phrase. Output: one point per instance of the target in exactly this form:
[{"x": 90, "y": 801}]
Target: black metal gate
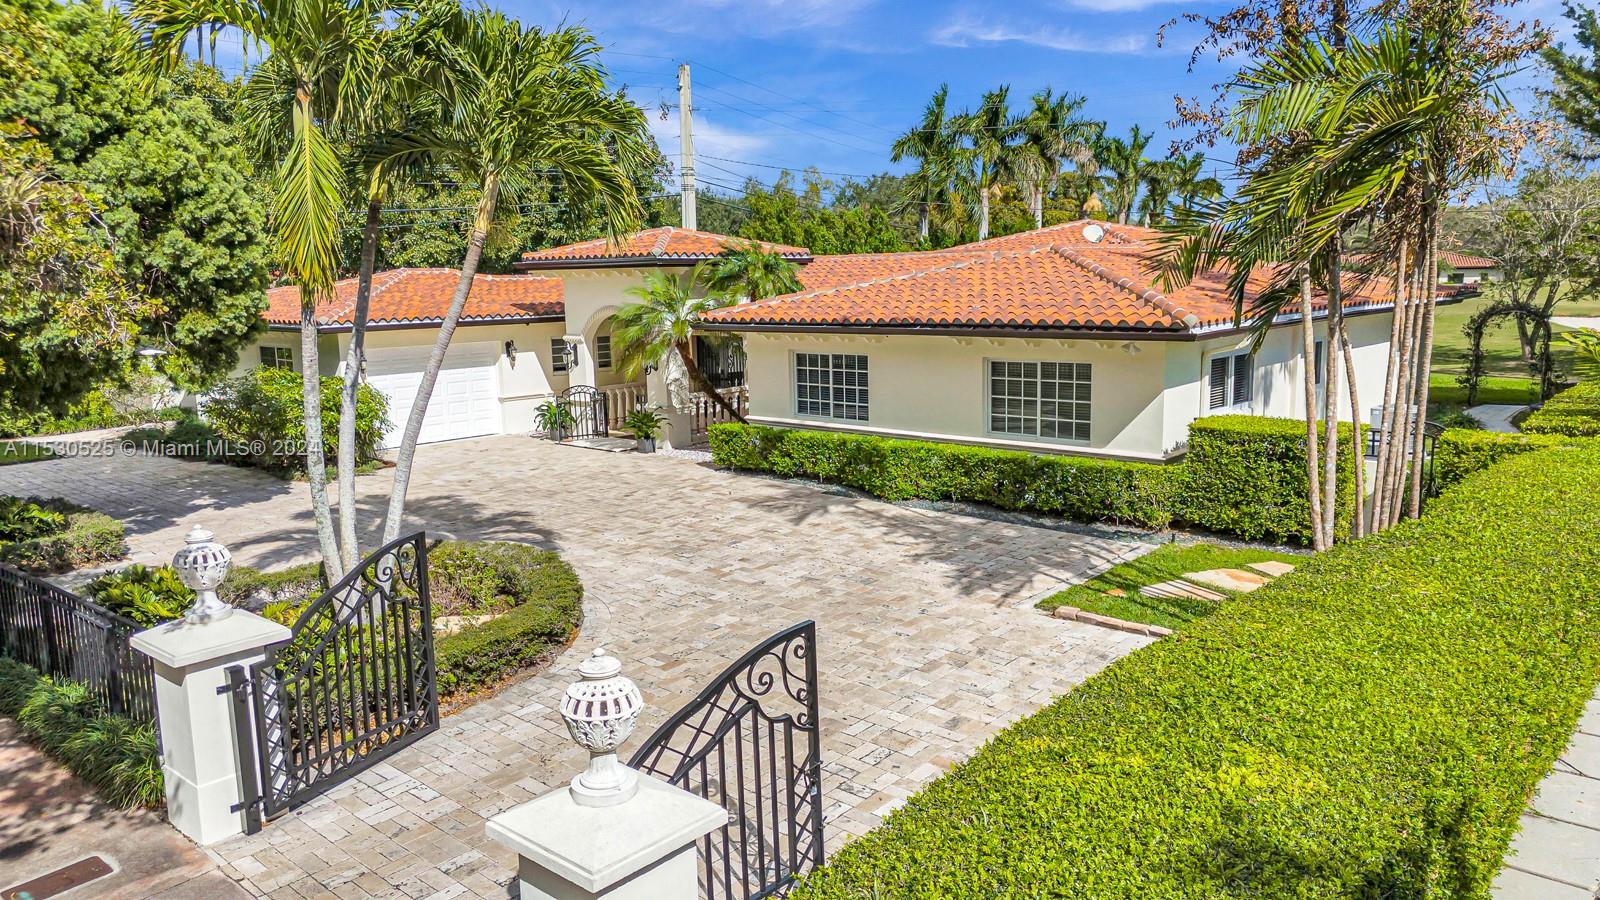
[
  {"x": 352, "y": 686},
  {"x": 751, "y": 742},
  {"x": 588, "y": 407}
]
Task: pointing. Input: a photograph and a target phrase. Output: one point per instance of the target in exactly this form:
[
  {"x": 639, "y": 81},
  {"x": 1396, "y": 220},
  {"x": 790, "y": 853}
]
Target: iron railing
[
  {"x": 354, "y": 684},
  {"x": 588, "y": 405},
  {"x": 65, "y": 636},
  {"x": 751, "y": 742}
]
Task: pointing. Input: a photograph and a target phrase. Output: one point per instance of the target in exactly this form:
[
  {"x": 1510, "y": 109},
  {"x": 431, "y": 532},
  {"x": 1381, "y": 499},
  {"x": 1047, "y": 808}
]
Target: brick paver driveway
[{"x": 928, "y": 643}]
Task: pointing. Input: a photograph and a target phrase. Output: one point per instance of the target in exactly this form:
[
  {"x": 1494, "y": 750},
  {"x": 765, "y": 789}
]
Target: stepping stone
[
  {"x": 1117, "y": 592},
  {"x": 1272, "y": 568},
  {"x": 1229, "y": 579},
  {"x": 1180, "y": 590}
]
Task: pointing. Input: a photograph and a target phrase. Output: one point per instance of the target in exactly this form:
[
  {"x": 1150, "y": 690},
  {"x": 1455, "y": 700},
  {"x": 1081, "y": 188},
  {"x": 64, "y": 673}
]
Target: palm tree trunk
[
  {"x": 1038, "y": 204},
  {"x": 316, "y": 461},
  {"x": 1391, "y": 379},
  {"x": 441, "y": 345},
  {"x": 1430, "y": 293},
  {"x": 1330, "y": 401},
  {"x": 702, "y": 383},
  {"x": 355, "y": 356},
  {"x": 1308, "y": 347},
  {"x": 1358, "y": 523},
  {"x": 1405, "y": 391},
  {"x": 983, "y": 212}
]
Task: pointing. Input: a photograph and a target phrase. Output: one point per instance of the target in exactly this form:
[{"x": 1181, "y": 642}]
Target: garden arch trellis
[{"x": 1524, "y": 312}]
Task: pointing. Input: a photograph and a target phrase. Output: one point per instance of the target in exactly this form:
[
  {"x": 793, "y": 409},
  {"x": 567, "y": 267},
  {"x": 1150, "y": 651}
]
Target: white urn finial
[
  {"x": 201, "y": 565},
  {"x": 600, "y": 712}
]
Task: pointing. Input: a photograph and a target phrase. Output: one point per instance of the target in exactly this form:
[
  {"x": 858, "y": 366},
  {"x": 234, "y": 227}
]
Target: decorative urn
[
  {"x": 601, "y": 711},
  {"x": 202, "y": 564}
]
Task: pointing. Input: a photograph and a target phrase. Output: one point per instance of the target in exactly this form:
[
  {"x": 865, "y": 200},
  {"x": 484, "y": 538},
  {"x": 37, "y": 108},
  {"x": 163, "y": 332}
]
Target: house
[
  {"x": 1462, "y": 268},
  {"x": 1051, "y": 340}
]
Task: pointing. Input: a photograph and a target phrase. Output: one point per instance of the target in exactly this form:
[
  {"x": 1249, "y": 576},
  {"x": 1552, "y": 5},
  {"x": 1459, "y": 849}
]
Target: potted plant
[
  {"x": 555, "y": 418},
  {"x": 645, "y": 424}
]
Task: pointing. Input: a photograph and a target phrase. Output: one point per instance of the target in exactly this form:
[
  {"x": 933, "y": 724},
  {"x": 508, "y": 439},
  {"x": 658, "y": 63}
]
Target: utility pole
[{"x": 686, "y": 147}]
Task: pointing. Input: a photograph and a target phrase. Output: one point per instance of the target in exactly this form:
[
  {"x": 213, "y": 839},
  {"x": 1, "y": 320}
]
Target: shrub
[
  {"x": 1311, "y": 742},
  {"x": 261, "y": 416},
  {"x": 116, "y": 755},
  {"x": 1574, "y": 412},
  {"x": 22, "y": 519},
  {"x": 95, "y": 411},
  {"x": 145, "y": 595},
  {"x": 540, "y": 625},
  {"x": 1457, "y": 418},
  {"x": 1460, "y": 453},
  {"x": 1246, "y": 475},
  {"x": 89, "y": 537},
  {"x": 1079, "y": 488}
]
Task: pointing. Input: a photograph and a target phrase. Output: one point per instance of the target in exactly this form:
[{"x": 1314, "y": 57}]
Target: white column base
[{"x": 673, "y": 878}]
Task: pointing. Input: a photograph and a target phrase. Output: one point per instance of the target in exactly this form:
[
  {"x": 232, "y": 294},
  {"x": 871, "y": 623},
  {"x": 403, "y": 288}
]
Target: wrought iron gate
[
  {"x": 354, "y": 684},
  {"x": 751, "y": 742},
  {"x": 588, "y": 407}
]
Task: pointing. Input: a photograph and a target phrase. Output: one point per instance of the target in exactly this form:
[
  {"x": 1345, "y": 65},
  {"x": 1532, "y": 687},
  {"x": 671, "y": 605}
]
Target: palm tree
[
  {"x": 1159, "y": 186},
  {"x": 936, "y": 147},
  {"x": 992, "y": 135},
  {"x": 326, "y": 50},
  {"x": 746, "y": 270},
  {"x": 517, "y": 103},
  {"x": 1052, "y": 135},
  {"x": 1189, "y": 181},
  {"x": 1126, "y": 167},
  {"x": 661, "y": 327}
]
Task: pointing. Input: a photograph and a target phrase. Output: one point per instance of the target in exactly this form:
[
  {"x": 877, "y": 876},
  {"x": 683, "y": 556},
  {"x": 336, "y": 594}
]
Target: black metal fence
[
  {"x": 588, "y": 406},
  {"x": 751, "y": 742},
  {"x": 65, "y": 636}
]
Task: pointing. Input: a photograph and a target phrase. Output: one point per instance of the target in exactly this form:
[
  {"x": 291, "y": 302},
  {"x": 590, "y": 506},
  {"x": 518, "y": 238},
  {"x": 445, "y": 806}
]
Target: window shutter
[
  {"x": 1243, "y": 367},
  {"x": 1317, "y": 363},
  {"x": 1219, "y": 382}
]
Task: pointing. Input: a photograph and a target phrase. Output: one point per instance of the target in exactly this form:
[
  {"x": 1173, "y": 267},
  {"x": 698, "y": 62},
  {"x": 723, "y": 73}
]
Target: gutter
[
  {"x": 625, "y": 262},
  {"x": 340, "y": 328}
]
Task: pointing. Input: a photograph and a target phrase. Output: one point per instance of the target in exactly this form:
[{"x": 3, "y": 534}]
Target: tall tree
[
  {"x": 993, "y": 136},
  {"x": 518, "y": 102},
  {"x": 936, "y": 147},
  {"x": 1189, "y": 182},
  {"x": 1126, "y": 169},
  {"x": 1054, "y": 134},
  {"x": 747, "y": 271}
]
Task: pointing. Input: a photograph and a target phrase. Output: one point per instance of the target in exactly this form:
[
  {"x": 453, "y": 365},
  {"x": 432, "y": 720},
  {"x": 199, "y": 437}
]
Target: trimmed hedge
[
  {"x": 1079, "y": 488},
  {"x": 88, "y": 537},
  {"x": 1574, "y": 412},
  {"x": 1460, "y": 452},
  {"x": 116, "y": 755},
  {"x": 1246, "y": 475},
  {"x": 1369, "y": 725}
]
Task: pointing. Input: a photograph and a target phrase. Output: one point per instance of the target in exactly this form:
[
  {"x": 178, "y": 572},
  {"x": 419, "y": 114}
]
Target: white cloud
[
  {"x": 1116, "y": 6},
  {"x": 710, "y": 139},
  {"x": 966, "y": 31}
]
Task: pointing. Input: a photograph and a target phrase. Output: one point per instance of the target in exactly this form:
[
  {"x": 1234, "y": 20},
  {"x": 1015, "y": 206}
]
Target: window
[
  {"x": 558, "y": 355},
  {"x": 277, "y": 357},
  {"x": 831, "y": 385},
  {"x": 1231, "y": 378},
  {"x": 1039, "y": 399},
  {"x": 1317, "y": 362},
  {"x": 602, "y": 351}
]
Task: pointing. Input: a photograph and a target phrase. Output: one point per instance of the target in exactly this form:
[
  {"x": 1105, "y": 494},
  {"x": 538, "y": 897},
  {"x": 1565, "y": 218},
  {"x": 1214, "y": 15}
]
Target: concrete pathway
[
  {"x": 928, "y": 640},
  {"x": 1496, "y": 416},
  {"x": 50, "y": 820},
  {"x": 1556, "y": 854}
]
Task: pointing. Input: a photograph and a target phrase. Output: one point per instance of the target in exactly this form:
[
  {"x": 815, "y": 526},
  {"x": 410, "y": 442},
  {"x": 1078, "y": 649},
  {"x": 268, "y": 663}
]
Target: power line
[
  {"x": 746, "y": 162},
  {"x": 784, "y": 96}
]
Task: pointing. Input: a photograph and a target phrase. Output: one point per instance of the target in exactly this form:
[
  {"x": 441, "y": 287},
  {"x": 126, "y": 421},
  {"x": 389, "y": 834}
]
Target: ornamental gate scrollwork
[
  {"x": 751, "y": 742},
  {"x": 353, "y": 685}
]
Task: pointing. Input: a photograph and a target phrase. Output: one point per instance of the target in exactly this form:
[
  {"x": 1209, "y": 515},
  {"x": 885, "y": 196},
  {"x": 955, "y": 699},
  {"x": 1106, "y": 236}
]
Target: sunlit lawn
[{"x": 1508, "y": 380}]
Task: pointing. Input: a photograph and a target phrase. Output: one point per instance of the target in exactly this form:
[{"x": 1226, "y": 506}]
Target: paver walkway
[
  {"x": 928, "y": 642},
  {"x": 1556, "y": 854},
  {"x": 1496, "y": 416}
]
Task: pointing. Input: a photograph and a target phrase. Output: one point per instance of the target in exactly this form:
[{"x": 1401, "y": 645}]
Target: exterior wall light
[{"x": 511, "y": 353}]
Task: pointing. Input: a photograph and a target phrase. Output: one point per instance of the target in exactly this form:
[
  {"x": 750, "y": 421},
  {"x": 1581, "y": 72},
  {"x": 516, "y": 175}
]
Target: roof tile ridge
[
  {"x": 660, "y": 246},
  {"x": 1149, "y": 295},
  {"x": 338, "y": 314}
]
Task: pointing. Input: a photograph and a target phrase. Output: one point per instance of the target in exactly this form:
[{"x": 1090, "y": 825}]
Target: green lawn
[
  {"x": 21, "y": 453},
  {"x": 1162, "y": 564},
  {"x": 1501, "y": 356}
]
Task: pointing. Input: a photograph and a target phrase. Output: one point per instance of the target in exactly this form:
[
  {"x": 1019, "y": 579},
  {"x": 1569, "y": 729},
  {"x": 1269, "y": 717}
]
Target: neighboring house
[
  {"x": 1048, "y": 340},
  {"x": 1461, "y": 268},
  {"x": 1052, "y": 340}
]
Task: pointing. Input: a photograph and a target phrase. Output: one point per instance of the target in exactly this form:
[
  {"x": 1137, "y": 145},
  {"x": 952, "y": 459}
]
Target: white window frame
[
  {"x": 602, "y": 351},
  {"x": 863, "y": 385},
  {"x": 281, "y": 357},
  {"x": 1039, "y": 400},
  {"x": 558, "y": 356},
  {"x": 1232, "y": 402}
]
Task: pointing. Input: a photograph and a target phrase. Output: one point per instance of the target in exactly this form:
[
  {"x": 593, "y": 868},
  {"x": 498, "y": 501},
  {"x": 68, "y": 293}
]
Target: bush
[
  {"x": 95, "y": 411},
  {"x": 1310, "y": 743},
  {"x": 116, "y": 755},
  {"x": 1246, "y": 475},
  {"x": 1574, "y": 412},
  {"x": 189, "y": 436},
  {"x": 540, "y": 625},
  {"x": 1079, "y": 488},
  {"x": 88, "y": 537},
  {"x": 261, "y": 416},
  {"x": 145, "y": 595},
  {"x": 1460, "y": 453},
  {"x": 22, "y": 519}
]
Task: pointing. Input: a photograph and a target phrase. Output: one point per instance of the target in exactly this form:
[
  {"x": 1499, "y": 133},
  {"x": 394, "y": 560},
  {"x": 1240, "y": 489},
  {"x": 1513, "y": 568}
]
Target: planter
[{"x": 646, "y": 445}]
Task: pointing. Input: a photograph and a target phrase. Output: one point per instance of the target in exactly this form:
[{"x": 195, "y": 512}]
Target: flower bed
[{"x": 1368, "y": 725}]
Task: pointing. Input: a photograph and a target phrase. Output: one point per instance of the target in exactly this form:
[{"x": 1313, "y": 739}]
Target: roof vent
[{"x": 1094, "y": 234}]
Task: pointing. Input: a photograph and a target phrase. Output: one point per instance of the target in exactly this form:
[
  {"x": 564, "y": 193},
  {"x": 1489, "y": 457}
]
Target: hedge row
[
  {"x": 1461, "y": 452},
  {"x": 116, "y": 755},
  {"x": 543, "y": 594},
  {"x": 1574, "y": 412},
  {"x": 1368, "y": 726},
  {"x": 1243, "y": 474}
]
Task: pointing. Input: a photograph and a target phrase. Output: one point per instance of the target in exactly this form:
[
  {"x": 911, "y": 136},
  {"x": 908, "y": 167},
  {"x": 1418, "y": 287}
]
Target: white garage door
[{"x": 466, "y": 398}]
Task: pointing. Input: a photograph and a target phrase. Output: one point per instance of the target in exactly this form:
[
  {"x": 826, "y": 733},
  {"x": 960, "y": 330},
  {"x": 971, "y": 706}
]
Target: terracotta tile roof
[
  {"x": 421, "y": 296},
  {"x": 1049, "y": 278},
  {"x": 651, "y": 245},
  {"x": 1464, "y": 261}
]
